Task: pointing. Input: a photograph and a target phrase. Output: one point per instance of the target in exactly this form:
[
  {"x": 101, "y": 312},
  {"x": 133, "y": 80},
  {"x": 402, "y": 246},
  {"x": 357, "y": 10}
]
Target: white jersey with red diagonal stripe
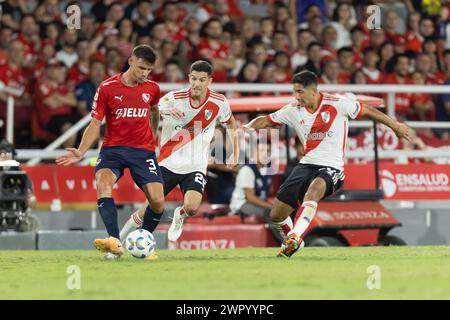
[
  {"x": 185, "y": 142},
  {"x": 322, "y": 132}
]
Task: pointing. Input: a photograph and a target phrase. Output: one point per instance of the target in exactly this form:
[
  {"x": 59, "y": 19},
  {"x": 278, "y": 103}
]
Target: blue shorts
[{"x": 142, "y": 164}]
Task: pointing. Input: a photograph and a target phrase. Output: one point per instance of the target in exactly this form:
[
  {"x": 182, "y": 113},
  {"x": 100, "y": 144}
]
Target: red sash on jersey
[
  {"x": 322, "y": 123},
  {"x": 206, "y": 115}
]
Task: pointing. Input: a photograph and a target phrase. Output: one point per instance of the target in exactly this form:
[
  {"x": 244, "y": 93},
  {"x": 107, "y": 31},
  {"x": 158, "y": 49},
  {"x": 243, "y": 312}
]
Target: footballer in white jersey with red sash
[
  {"x": 321, "y": 123},
  {"x": 185, "y": 141},
  {"x": 189, "y": 120}
]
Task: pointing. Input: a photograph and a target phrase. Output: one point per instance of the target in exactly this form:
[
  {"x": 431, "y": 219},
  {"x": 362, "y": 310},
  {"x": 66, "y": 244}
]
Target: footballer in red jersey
[{"x": 129, "y": 102}]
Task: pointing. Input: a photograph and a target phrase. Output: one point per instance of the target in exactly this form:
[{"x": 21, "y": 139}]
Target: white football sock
[
  {"x": 285, "y": 226},
  {"x": 307, "y": 212},
  {"x": 132, "y": 224}
]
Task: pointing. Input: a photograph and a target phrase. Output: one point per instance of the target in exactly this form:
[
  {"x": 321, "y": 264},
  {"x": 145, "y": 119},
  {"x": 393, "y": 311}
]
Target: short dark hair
[
  {"x": 305, "y": 78},
  {"x": 202, "y": 66},
  {"x": 145, "y": 52}
]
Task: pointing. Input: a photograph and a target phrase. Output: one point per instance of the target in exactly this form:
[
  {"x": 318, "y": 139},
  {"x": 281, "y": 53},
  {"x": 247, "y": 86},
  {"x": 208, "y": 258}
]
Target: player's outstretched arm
[
  {"x": 90, "y": 135},
  {"x": 401, "y": 130},
  {"x": 257, "y": 123}
]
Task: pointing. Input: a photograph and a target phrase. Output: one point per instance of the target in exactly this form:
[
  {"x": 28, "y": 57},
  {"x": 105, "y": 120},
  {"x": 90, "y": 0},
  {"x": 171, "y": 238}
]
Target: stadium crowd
[{"x": 60, "y": 68}]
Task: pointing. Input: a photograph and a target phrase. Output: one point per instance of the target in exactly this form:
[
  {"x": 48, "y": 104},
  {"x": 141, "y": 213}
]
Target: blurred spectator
[
  {"x": 173, "y": 72},
  {"x": 88, "y": 27},
  {"x": 300, "y": 56},
  {"x": 306, "y": 8},
  {"x": 331, "y": 72},
  {"x": 54, "y": 102},
  {"x": 158, "y": 35},
  {"x": 343, "y": 23},
  {"x": 422, "y": 102},
  {"x": 369, "y": 68},
  {"x": 171, "y": 17},
  {"x": 386, "y": 53},
  {"x": 165, "y": 53},
  {"x": 376, "y": 39},
  {"x": 126, "y": 42},
  {"x": 403, "y": 103},
  {"x": 190, "y": 42},
  {"x": 248, "y": 29},
  {"x": 267, "y": 28},
  {"x": 258, "y": 54},
  {"x": 238, "y": 52},
  {"x": 13, "y": 75},
  {"x": 279, "y": 43},
  {"x": 113, "y": 62},
  {"x": 444, "y": 74},
  {"x": 315, "y": 26},
  {"x": 252, "y": 188},
  {"x": 249, "y": 73},
  {"x": 346, "y": 59},
  {"x": 29, "y": 36},
  {"x": 313, "y": 63},
  {"x": 52, "y": 32},
  {"x": 86, "y": 89},
  {"x": 68, "y": 54},
  {"x": 282, "y": 72},
  {"x": 423, "y": 65},
  {"x": 426, "y": 28},
  {"x": 430, "y": 47},
  {"x": 329, "y": 38},
  {"x": 391, "y": 25},
  {"x": 47, "y": 12},
  {"x": 359, "y": 77},
  {"x": 12, "y": 13},
  {"x": 413, "y": 38},
  {"x": 142, "y": 17},
  {"x": 6, "y": 36},
  {"x": 80, "y": 70},
  {"x": 358, "y": 38}
]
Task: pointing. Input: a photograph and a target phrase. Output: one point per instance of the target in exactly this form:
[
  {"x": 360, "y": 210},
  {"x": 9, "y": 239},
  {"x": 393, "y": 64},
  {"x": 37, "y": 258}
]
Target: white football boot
[{"x": 176, "y": 228}]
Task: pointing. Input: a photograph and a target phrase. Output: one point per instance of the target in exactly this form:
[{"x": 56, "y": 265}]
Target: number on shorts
[
  {"x": 152, "y": 166},
  {"x": 199, "y": 179}
]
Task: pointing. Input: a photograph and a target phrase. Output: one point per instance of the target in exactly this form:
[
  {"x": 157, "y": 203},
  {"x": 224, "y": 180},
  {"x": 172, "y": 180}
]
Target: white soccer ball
[{"x": 140, "y": 243}]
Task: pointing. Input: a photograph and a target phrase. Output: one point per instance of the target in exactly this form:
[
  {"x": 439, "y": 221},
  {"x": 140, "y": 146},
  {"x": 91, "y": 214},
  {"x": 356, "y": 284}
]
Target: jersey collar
[
  {"x": 317, "y": 106},
  {"x": 201, "y": 104}
]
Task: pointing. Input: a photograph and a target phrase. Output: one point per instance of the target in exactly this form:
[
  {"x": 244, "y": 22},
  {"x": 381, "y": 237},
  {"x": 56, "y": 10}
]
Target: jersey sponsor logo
[
  {"x": 318, "y": 135},
  {"x": 196, "y": 127},
  {"x": 146, "y": 97},
  {"x": 131, "y": 113}
]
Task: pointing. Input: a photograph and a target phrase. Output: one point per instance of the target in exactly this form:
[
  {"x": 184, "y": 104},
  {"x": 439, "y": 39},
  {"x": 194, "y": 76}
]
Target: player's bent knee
[
  {"x": 104, "y": 188},
  {"x": 157, "y": 203}
]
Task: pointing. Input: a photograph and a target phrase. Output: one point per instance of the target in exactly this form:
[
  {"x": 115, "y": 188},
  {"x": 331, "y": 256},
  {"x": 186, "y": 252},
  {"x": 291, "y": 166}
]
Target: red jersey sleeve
[
  {"x": 156, "y": 96},
  {"x": 99, "y": 104}
]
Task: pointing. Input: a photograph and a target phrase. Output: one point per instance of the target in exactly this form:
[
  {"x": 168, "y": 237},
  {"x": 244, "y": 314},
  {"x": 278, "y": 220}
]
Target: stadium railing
[{"x": 35, "y": 156}]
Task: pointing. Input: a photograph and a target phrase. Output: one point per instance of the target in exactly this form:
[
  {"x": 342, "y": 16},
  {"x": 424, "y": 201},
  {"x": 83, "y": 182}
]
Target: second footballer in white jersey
[
  {"x": 321, "y": 123},
  {"x": 189, "y": 120}
]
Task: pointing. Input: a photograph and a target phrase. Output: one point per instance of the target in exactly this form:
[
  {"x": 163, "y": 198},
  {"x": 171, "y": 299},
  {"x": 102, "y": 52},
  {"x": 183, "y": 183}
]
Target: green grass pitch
[{"x": 315, "y": 273}]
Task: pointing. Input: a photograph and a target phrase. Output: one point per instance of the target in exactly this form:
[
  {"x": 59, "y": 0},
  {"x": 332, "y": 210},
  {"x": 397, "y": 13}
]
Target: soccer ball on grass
[{"x": 140, "y": 243}]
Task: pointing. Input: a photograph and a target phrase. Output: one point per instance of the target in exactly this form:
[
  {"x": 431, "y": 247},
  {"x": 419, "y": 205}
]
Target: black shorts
[
  {"x": 294, "y": 188},
  {"x": 190, "y": 181},
  {"x": 142, "y": 164}
]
